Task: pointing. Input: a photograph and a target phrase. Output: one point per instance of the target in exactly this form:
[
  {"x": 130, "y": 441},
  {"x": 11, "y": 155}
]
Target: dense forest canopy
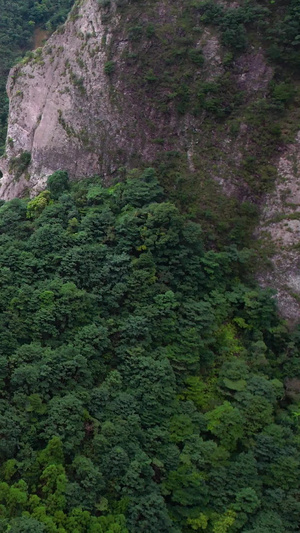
[{"x": 142, "y": 378}]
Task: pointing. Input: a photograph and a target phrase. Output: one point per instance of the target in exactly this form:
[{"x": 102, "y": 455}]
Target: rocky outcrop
[
  {"x": 75, "y": 104},
  {"x": 279, "y": 231},
  {"x": 59, "y": 104},
  {"x": 69, "y": 110}
]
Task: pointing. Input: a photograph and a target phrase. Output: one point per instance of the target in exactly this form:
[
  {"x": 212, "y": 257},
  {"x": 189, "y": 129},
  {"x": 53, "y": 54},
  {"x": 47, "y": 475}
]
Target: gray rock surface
[
  {"x": 280, "y": 229},
  {"x": 69, "y": 114},
  {"x": 59, "y": 100}
]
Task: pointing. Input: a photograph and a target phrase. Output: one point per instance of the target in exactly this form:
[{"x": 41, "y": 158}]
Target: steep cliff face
[
  {"x": 68, "y": 110},
  {"x": 59, "y": 104},
  {"x": 84, "y": 102},
  {"x": 279, "y": 228},
  {"x": 129, "y": 84}
]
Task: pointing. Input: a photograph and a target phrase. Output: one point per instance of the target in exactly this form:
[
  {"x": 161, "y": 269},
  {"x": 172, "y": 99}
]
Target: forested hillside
[
  {"x": 148, "y": 384},
  {"x": 142, "y": 375}
]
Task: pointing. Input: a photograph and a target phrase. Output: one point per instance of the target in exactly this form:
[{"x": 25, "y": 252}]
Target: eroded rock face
[
  {"x": 253, "y": 72},
  {"x": 56, "y": 109},
  {"x": 280, "y": 229},
  {"x": 69, "y": 113}
]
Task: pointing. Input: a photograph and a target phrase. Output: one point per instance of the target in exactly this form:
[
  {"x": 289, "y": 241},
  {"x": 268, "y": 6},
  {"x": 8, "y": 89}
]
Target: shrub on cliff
[{"x": 58, "y": 183}]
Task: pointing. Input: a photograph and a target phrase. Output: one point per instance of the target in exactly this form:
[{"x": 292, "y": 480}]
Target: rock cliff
[
  {"x": 60, "y": 106},
  {"x": 279, "y": 228},
  {"x": 84, "y": 103},
  {"x": 70, "y": 110}
]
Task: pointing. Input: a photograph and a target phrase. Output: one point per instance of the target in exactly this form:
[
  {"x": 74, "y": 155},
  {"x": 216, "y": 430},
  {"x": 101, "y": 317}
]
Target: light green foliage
[
  {"x": 224, "y": 523},
  {"x": 229, "y": 343},
  {"x": 226, "y": 423},
  {"x": 198, "y": 523},
  {"x": 38, "y": 204},
  {"x": 202, "y": 392}
]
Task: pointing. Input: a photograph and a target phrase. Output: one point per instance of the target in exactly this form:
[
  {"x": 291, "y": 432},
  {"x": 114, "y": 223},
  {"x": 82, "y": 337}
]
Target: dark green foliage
[
  {"x": 282, "y": 95},
  {"x": 142, "y": 371},
  {"x": 140, "y": 384},
  {"x": 135, "y": 33},
  {"x": 109, "y": 67},
  {"x": 196, "y": 56},
  {"x": 280, "y": 22},
  {"x": 58, "y": 183},
  {"x": 233, "y": 21},
  {"x": 218, "y": 98},
  {"x": 284, "y": 36},
  {"x": 104, "y": 3}
]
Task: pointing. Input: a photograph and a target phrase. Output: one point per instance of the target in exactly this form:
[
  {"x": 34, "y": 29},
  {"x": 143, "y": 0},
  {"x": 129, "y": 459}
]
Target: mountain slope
[
  {"x": 205, "y": 92},
  {"x": 105, "y": 92}
]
